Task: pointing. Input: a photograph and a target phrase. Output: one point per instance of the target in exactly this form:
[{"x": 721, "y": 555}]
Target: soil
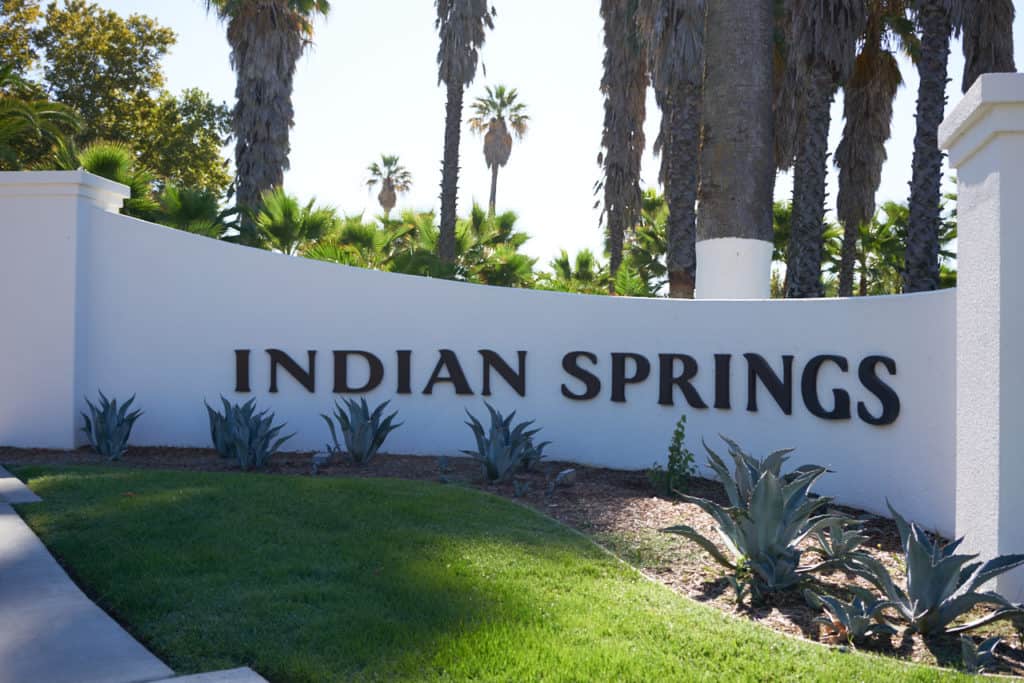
[{"x": 620, "y": 511}]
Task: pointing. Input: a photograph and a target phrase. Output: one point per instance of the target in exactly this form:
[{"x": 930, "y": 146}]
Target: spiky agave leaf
[
  {"x": 940, "y": 586},
  {"x": 770, "y": 514},
  {"x": 108, "y": 427}
]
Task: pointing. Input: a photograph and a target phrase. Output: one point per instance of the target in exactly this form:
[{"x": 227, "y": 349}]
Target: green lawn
[{"x": 342, "y": 579}]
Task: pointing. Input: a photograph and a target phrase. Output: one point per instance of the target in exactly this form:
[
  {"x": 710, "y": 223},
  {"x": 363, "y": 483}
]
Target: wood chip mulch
[{"x": 621, "y": 512}]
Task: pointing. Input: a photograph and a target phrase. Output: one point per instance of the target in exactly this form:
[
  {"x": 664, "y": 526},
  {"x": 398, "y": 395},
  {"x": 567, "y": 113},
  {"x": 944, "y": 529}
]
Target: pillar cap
[
  {"x": 105, "y": 194},
  {"x": 994, "y": 105}
]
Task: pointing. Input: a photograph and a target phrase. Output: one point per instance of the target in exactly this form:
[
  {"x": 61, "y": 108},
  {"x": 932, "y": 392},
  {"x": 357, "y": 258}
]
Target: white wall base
[{"x": 733, "y": 268}]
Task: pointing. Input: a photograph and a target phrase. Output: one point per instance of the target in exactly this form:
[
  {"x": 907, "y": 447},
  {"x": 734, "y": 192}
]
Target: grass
[{"x": 332, "y": 579}]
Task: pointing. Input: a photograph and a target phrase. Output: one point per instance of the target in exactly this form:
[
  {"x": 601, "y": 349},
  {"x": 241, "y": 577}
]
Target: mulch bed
[{"x": 621, "y": 512}]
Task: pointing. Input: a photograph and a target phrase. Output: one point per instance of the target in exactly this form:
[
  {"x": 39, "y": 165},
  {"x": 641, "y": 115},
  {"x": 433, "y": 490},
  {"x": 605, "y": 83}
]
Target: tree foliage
[
  {"x": 17, "y": 21},
  {"x": 108, "y": 68}
]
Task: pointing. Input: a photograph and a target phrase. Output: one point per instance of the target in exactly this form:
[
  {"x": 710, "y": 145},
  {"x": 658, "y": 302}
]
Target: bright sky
[{"x": 369, "y": 86}]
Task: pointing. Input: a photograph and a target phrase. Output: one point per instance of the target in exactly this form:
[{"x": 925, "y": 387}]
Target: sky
[{"x": 369, "y": 87}]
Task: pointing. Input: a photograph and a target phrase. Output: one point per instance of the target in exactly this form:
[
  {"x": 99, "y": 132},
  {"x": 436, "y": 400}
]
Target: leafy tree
[
  {"x": 493, "y": 116},
  {"x": 108, "y": 68},
  {"x": 28, "y": 121},
  {"x": 181, "y": 139},
  {"x": 936, "y": 20},
  {"x": 393, "y": 178},
  {"x": 823, "y": 42},
  {"x": 105, "y": 66},
  {"x": 462, "y": 27},
  {"x": 869, "y": 93},
  {"x": 624, "y": 85},
  {"x": 17, "y": 20},
  {"x": 674, "y": 31},
  {"x": 267, "y": 39},
  {"x": 287, "y": 226}
]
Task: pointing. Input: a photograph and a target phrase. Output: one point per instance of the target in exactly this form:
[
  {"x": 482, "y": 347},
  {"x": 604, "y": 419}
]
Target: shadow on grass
[{"x": 304, "y": 579}]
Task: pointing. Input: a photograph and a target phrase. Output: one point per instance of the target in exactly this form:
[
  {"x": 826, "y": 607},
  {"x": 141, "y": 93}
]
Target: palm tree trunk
[
  {"x": 624, "y": 84},
  {"x": 806, "y": 247},
  {"x": 988, "y": 40},
  {"x": 848, "y": 258},
  {"x": 864, "y": 271},
  {"x": 263, "y": 114},
  {"x": 737, "y": 163},
  {"x": 494, "y": 191},
  {"x": 450, "y": 173},
  {"x": 922, "y": 259},
  {"x": 683, "y": 150}
]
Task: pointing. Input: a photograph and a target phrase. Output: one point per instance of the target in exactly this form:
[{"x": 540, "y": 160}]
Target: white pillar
[
  {"x": 985, "y": 139},
  {"x": 733, "y": 268},
  {"x": 43, "y": 218}
]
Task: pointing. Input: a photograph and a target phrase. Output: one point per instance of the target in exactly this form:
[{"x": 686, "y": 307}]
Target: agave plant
[
  {"x": 840, "y": 544},
  {"x": 364, "y": 432},
  {"x": 240, "y": 433},
  {"x": 980, "y": 657},
  {"x": 854, "y": 621},
  {"x": 503, "y": 448},
  {"x": 109, "y": 427},
  {"x": 940, "y": 586},
  {"x": 768, "y": 516}
]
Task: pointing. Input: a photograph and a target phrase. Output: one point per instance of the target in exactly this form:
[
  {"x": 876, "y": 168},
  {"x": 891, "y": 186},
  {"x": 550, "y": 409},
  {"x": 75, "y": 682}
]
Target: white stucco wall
[
  {"x": 985, "y": 138},
  {"x": 159, "y": 313}
]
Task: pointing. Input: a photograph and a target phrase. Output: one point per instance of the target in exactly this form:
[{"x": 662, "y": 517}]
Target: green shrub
[
  {"x": 242, "y": 434},
  {"x": 364, "y": 432},
  {"x": 109, "y": 427},
  {"x": 503, "y": 448},
  {"x": 768, "y": 516},
  {"x": 675, "y": 477},
  {"x": 940, "y": 587},
  {"x": 854, "y": 621}
]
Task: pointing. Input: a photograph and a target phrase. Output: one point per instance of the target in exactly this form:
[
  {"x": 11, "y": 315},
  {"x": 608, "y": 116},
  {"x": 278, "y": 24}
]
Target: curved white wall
[{"x": 159, "y": 313}]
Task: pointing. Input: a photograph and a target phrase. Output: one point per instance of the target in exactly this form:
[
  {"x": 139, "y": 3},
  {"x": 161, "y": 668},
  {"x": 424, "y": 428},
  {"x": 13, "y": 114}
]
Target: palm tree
[
  {"x": 113, "y": 161},
  {"x": 646, "y": 246},
  {"x": 27, "y": 117},
  {"x": 988, "y": 40},
  {"x": 462, "y": 26},
  {"x": 194, "y": 211},
  {"x": 393, "y": 178},
  {"x": 674, "y": 31},
  {"x": 737, "y": 163},
  {"x": 822, "y": 51},
  {"x": 583, "y": 274},
  {"x": 287, "y": 226},
  {"x": 937, "y": 19},
  {"x": 361, "y": 244},
  {"x": 267, "y": 37},
  {"x": 624, "y": 84},
  {"x": 868, "y": 101},
  {"x": 493, "y": 115}
]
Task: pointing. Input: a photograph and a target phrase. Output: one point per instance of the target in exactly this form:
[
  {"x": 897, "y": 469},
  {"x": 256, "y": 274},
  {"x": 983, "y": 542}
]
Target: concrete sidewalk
[{"x": 50, "y": 632}]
